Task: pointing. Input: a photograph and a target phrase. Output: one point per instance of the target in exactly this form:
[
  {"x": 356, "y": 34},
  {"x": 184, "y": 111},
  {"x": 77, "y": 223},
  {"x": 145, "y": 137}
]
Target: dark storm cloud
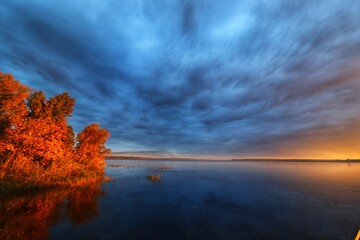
[
  {"x": 206, "y": 77},
  {"x": 188, "y": 20}
]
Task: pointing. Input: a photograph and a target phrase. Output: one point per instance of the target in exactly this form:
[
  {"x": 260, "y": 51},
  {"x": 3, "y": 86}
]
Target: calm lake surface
[{"x": 196, "y": 200}]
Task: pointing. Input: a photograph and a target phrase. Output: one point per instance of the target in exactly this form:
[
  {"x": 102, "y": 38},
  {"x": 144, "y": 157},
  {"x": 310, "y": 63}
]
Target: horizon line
[{"x": 134, "y": 157}]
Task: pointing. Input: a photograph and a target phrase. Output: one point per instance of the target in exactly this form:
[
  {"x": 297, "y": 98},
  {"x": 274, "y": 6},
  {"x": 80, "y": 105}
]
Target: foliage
[{"x": 37, "y": 146}]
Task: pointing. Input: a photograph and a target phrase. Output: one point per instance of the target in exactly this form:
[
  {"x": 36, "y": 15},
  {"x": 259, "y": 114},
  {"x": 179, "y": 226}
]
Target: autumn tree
[
  {"x": 90, "y": 147},
  {"x": 36, "y": 104},
  {"x": 12, "y": 112},
  {"x": 60, "y": 107},
  {"x": 36, "y": 142}
]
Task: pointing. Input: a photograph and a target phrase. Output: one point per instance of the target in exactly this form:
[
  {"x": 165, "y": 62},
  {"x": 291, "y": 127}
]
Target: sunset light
[{"x": 179, "y": 119}]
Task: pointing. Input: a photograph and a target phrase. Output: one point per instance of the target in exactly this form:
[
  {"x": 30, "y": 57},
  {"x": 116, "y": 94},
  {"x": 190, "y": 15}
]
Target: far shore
[{"x": 114, "y": 157}]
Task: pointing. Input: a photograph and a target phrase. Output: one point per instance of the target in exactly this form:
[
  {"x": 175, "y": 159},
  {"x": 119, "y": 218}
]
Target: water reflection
[
  {"x": 196, "y": 200},
  {"x": 31, "y": 216},
  {"x": 229, "y": 200}
]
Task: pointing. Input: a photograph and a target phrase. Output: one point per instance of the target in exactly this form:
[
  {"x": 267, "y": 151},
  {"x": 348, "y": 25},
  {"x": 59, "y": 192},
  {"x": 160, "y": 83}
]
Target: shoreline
[{"x": 134, "y": 158}]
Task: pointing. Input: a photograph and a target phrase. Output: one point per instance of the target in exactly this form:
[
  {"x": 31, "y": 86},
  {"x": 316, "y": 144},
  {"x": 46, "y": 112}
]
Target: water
[{"x": 196, "y": 200}]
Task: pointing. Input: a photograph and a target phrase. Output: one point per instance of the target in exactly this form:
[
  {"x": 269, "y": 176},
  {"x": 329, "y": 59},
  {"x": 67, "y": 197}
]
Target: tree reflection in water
[{"x": 31, "y": 216}]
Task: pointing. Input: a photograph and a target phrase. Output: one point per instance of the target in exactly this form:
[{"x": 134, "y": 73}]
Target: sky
[{"x": 247, "y": 78}]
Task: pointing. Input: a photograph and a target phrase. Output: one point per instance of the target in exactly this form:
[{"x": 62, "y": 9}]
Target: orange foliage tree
[{"x": 37, "y": 145}]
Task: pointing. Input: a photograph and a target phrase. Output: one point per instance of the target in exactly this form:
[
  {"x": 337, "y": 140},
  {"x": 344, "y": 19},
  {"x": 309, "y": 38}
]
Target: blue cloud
[{"x": 202, "y": 77}]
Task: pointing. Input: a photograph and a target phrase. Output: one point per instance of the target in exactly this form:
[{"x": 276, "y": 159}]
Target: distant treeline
[
  {"x": 297, "y": 160},
  {"x": 117, "y": 157},
  {"x": 114, "y": 157}
]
